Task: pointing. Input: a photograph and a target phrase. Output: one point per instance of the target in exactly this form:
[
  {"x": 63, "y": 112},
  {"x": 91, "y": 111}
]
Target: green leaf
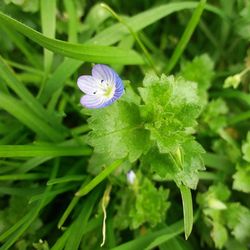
[
  {"x": 192, "y": 164},
  {"x": 215, "y": 207},
  {"x": 90, "y": 53},
  {"x": 214, "y": 115},
  {"x": 143, "y": 203},
  {"x": 220, "y": 235},
  {"x": 21, "y": 112},
  {"x": 150, "y": 204},
  {"x": 187, "y": 205},
  {"x": 199, "y": 70},
  {"x": 118, "y": 131},
  {"x": 238, "y": 220},
  {"x": 242, "y": 178},
  {"x": 171, "y": 106},
  {"x": 165, "y": 165}
]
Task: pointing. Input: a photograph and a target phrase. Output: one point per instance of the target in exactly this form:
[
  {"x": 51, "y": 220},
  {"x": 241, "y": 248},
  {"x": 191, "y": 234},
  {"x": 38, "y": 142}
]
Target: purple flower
[{"x": 102, "y": 88}]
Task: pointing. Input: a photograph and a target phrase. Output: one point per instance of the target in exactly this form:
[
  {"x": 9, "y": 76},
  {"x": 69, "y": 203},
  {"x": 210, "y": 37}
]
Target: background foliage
[{"x": 182, "y": 125}]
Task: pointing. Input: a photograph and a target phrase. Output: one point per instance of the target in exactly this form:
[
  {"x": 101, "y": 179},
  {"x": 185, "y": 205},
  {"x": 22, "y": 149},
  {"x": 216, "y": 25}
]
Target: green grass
[{"x": 186, "y": 137}]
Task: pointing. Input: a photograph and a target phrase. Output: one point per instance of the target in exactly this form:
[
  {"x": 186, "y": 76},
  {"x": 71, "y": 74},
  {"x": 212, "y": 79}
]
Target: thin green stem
[{"x": 137, "y": 39}]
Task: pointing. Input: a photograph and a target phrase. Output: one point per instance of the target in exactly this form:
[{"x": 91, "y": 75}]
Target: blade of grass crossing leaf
[
  {"x": 70, "y": 7},
  {"x": 187, "y": 205},
  {"x": 48, "y": 21},
  {"x": 90, "y": 53},
  {"x": 186, "y": 36},
  {"x": 99, "y": 178},
  {"x": 20, "y": 228}
]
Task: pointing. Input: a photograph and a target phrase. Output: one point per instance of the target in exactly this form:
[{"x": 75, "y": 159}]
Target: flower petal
[
  {"x": 119, "y": 84},
  {"x": 92, "y": 101},
  {"x": 87, "y": 84},
  {"x": 103, "y": 72}
]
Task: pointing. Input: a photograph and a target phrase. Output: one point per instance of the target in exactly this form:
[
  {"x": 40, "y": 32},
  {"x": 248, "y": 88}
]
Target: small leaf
[
  {"x": 117, "y": 131},
  {"x": 242, "y": 178}
]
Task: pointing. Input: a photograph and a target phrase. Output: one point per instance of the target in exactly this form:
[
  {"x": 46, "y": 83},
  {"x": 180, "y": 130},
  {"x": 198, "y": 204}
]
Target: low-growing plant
[{"x": 154, "y": 154}]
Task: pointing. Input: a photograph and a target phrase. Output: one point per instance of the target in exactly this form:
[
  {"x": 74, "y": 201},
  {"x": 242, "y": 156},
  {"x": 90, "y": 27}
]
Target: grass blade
[
  {"x": 80, "y": 223},
  {"x": 21, "y": 112},
  {"x": 186, "y": 35},
  {"x": 99, "y": 178},
  {"x": 115, "y": 33},
  {"x": 65, "y": 179},
  {"x": 163, "y": 238},
  {"x": 144, "y": 241},
  {"x": 43, "y": 150},
  {"x": 70, "y": 7},
  {"x": 20, "y": 43},
  {"x": 216, "y": 161},
  {"x": 21, "y": 226},
  {"x": 48, "y": 23},
  {"x": 9, "y": 77},
  {"x": 58, "y": 78},
  {"x": 89, "y": 53}
]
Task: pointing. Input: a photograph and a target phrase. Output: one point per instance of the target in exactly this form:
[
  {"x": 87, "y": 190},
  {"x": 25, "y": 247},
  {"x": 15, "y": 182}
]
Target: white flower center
[{"x": 105, "y": 89}]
